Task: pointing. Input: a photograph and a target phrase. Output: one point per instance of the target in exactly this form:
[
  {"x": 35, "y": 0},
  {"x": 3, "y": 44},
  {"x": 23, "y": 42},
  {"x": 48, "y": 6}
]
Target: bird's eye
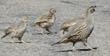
[{"x": 93, "y": 9}]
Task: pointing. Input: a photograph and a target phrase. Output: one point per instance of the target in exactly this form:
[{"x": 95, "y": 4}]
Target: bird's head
[
  {"x": 25, "y": 19},
  {"x": 91, "y": 9},
  {"x": 52, "y": 10}
]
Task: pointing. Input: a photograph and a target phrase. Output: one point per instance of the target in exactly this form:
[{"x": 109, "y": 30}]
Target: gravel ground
[{"x": 12, "y": 11}]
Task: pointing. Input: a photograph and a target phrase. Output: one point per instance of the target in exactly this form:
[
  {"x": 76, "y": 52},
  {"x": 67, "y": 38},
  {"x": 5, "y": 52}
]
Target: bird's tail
[
  {"x": 3, "y": 36},
  {"x": 56, "y": 43},
  {"x": 33, "y": 25},
  {"x": 58, "y": 30},
  {"x": 62, "y": 41}
]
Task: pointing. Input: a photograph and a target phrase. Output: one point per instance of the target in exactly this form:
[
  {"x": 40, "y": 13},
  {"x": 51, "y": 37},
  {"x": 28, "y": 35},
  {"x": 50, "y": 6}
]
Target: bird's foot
[
  {"x": 93, "y": 50},
  {"x": 74, "y": 50},
  {"x": 62, "y": 35},
  {"x": 24, "y": 42},
  {"x": 53, "y": 33},
  {"x": 14, "y": 43},
  {"x": 43, "y": 33}
]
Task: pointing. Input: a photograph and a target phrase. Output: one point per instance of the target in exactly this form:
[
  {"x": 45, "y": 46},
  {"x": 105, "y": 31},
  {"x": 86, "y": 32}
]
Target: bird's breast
[
  {"x": 49, "y": 23},
  {"x": 52, "y": 20},
  {"x": 19, "y": 31}
]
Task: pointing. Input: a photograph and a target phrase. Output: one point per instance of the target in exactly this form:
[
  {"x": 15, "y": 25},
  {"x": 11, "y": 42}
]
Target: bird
[
  {"x": 66, "y": 26},
  {"x": 81, "y": 31},
  {"x": 17, "y": 31},
  {"x": 46, "y": 21}
]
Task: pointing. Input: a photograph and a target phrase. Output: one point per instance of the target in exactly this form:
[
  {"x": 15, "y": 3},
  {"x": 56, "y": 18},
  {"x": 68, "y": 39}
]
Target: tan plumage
[
  {"x": 81, "y": 31},
  {"x": 17, "y": 30},
  {"x": 46, "y": 21},
  {"x": 66, "y": 26}
]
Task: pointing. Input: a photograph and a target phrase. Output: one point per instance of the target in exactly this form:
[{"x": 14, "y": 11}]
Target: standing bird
[
  {"x": 66, "y": 26},
  {"x": 81, "y": 31},
  {"x": 17, "y": 30},
  {"x": 46, "y": 21}
]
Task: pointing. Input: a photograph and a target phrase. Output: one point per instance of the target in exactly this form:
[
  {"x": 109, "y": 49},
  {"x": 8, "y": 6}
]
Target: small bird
[
  {"x": 66, "y": 26},
  {"x": 81, "y": 31},
  {"x": 46, "y": 21},
  {"x": 17, "y": 30}
]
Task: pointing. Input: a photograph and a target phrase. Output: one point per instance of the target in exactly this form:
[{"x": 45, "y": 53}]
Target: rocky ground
[{"x": 12, "y": 11}]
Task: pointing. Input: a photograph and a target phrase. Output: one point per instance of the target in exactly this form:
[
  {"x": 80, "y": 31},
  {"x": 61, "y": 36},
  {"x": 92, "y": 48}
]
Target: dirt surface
[{"x": 12, "y": 11}]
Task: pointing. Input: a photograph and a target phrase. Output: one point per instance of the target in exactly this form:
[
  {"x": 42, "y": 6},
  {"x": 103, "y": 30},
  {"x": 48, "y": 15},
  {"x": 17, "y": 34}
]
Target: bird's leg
[
  {"x": 12, "y": 41},
  {"x": 42, "y": 31},
  {"x": 50, "y": 31},
  {"x": 63, "y": 32},
  {"x": 22, "y": 40},
  {"x": 73, "y": 47},
  {"x": 66, "y": 29},
  {"x": 85, "y": 44}
]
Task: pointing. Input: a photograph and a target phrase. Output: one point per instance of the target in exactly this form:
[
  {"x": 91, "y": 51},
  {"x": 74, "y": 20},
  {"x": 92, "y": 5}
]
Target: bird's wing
[
  {"x": 69, "y": 23},
  {"x": 78, "y": 31},
  {"x": 10, "y": 29},
  {"x": 44, "y": 18}
]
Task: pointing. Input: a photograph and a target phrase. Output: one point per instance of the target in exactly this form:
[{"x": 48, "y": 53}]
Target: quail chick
[
  {"x": 46, "y": 21},
  {"x": 17, "y": 30}
]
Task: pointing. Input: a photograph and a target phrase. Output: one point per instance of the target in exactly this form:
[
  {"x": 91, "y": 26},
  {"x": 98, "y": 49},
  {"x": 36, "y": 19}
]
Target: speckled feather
[
  {"x": 46, "y": 20},
  {"x": 81, "y": 31},
  {"x": 71, "y": 23},
  {"x": 17, "y": 30}
]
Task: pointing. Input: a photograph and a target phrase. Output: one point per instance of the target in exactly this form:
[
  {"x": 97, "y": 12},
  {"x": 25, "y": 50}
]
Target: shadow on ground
[
  {"x": 73, "y": 3},
  {"x": 44, "y": 33},
  {"x": 77, "y": 50},
  {"x": 66, "y": 2},
  {"x": 16, "y": 42}
]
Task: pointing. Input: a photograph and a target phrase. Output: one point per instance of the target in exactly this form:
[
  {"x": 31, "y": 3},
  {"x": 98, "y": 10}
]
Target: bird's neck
[
  {"x": 51, "y": 14},
  {"x": 89, "y": 19},
  {"x": 25, "y": 23}
]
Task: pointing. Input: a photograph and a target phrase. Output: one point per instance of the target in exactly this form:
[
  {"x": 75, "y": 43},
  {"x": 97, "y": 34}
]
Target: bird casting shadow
[{"x": 77, "y": 50}]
